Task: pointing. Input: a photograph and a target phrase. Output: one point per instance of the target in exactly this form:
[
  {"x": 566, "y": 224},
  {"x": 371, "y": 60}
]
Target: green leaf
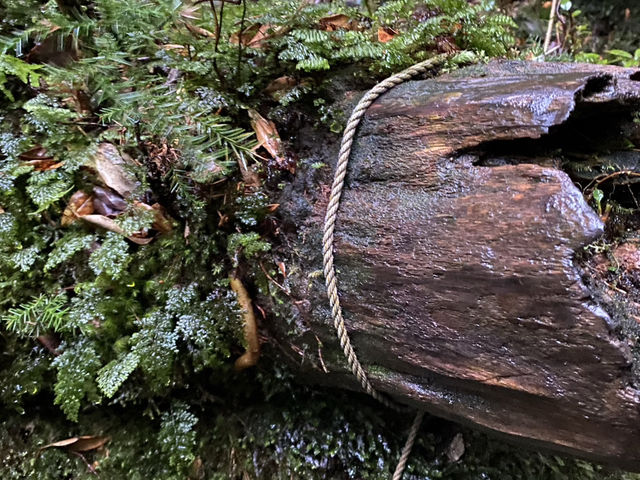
[
  {"x": 46, "y": 188},
  {"x": 598, "y": 196},
  {"x": 620, "y": 53}
]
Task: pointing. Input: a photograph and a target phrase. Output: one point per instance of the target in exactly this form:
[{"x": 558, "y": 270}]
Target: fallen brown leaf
[
  {"x": 223, "y": 219},
  {"x": 110, "y": 224},
  {"x": 50, "y": 342},
  {"x": 161, "y": 220},
  {"x": 80, "y": 204},
  {"x": 179, "y": 49},
  {"x": 256, "y": 35},
  {"x": 283, "y": 269},
  {"x": 107, "y": 202},
  {"x": 83, "y": 443},
  {"x": 252, "y": 353},
  {"x": 36, "y": 153},
  {"x": 196, "y": 470},
  {"x": 268, "y": 138},
  {"x": 190, "y": 11},
  {"x": 446, "y": 44},
  {"x": 456, "y": 448},
  {"x": 280, "y": 84},
  {"x": 337, "y": 22},
  {"x": 112, "y": 169},
  {"x": 43, "y": 165},
  {"x": 386, "y": 34},
  {"x": 39, "y": 159},
  {"x": 272, "y": 207},
  {"x": 245, "y": 36},
  {"x": 199, "y": 30}
]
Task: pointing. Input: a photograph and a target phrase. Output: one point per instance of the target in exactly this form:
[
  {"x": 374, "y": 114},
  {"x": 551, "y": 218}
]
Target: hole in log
[
  {"x": 597, "y": 146},
  {"x": 596, "y": 85}
]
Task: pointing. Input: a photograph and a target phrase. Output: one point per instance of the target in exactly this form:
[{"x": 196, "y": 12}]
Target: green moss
[{"x": 295, "y": 433}]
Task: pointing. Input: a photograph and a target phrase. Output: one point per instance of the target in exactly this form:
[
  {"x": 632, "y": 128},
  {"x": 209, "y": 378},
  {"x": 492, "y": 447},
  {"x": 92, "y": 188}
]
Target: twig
[
  {"x": 552, "y": 19},
  {"x": 242, "y": 19},
  {"x": 286, "y": 291},
  {"x": 218, "y": 26},
  {"x": 218, "y": 22},
  {"x": 89, "y": 466},
  {"x": 369, "y": 7},
  {"x": 324, "y": 367},
  {"x": 600, "y": 179}
]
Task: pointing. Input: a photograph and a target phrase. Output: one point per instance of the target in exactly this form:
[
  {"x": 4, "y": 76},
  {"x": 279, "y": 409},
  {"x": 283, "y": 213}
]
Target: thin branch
[
  {"x": 219, "y": 26},
  {"x": 240, "y": 43},
  {"x": 218, "y": 21},
  {"x": 285, "y": 290},
  {"x": 552, "y": 19}
]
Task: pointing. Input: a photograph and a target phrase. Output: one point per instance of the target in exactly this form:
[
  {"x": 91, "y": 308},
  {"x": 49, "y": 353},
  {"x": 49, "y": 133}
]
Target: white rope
[{"x": 328, "y": 239}]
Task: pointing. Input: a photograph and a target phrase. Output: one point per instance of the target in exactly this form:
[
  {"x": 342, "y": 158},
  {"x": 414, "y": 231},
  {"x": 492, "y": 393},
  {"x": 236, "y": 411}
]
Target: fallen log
[{"x": 466, "y": 260}]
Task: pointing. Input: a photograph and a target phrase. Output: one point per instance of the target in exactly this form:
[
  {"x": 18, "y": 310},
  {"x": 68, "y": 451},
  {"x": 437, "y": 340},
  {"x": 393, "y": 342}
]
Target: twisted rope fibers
[{"x": 328, "y": 239}]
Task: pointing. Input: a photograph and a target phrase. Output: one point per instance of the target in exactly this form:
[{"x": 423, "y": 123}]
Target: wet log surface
[{"x": 456, "y": 253}]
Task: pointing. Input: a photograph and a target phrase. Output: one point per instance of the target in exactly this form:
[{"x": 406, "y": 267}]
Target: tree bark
[{"x": 460, "y": 249}]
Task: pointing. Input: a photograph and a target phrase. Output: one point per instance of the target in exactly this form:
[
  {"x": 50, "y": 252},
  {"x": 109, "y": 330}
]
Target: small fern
[
  {"x": 76, "y": 369},
  {"x": 25, "y": 72},
  {"x": 116, "y": 372}
]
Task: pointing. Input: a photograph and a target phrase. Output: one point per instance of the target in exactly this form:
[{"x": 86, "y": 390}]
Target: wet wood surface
[{"x": 455, "y": 247}]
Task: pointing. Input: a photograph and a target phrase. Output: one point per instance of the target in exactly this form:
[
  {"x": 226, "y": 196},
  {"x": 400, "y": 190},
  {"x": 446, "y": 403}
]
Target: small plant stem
[
  {"x": 242, "y": 19},
  {"x": 370, "y": 9},
  {"x": 552, "y": 19},
  {"x": 218, "y": 21}
]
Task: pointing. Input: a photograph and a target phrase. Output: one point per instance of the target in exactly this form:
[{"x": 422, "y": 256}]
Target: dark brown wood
[{"x": 455, "y": 248}]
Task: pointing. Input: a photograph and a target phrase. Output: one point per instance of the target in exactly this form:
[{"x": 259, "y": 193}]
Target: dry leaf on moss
[
  {"x": 80, "y": 204},
  {"x": 386, "y": 34},
  {"x": 162, "y": 222},
  {"x": 190, "y": 11},
  {"x": 252, "y": 353},
  {"x": 39, "y": 159},
  {"x": 113, "y": 170},
  {"x": 83, "y": 443},
  {"x": 268, "y": 138},
  {"x": 339, "y": 21},
  {"x": 280, "y": 85},
  {"x": 111, "y": 225},
  {"x": 256, "y": 35},
  {"x": 107, "y": 202},
  {"x": 199, "y": 30}
]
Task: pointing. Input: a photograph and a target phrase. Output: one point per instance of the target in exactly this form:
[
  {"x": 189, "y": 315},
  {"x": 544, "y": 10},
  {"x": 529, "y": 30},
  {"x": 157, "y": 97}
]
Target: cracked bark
[{"x": 455, "y": 251}]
